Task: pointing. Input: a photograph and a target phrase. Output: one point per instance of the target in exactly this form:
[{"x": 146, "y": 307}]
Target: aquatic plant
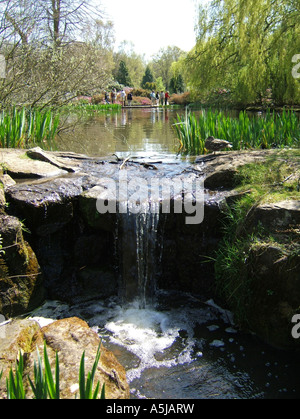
[
  {"x": 46, "y": 385},
  {"x": 269, "y": 130},
  {"x": 91, "y": 108},
  {"x": 20, "y": 128}
]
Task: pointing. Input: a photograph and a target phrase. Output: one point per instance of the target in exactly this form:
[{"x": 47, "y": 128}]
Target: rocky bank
[{"x": 56, "y": 245}]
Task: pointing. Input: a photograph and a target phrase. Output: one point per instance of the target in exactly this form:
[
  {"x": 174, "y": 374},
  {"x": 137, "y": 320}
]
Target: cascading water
[{"x": 136, "y": 241}]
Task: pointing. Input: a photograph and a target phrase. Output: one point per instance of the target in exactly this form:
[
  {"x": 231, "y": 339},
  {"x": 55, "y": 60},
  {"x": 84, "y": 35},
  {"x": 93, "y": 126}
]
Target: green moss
[{"x": 276, "y": 179}]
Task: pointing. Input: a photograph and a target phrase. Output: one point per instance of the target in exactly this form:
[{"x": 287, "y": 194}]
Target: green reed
[
  {"x": 45, "y": 385},
  {"x": 269, "y": 130},
  {"x": 92, "y": 108},
  {"x": 20, "y": 128}
]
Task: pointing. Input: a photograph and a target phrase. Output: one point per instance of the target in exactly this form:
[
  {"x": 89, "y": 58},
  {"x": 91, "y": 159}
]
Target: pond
[
  {"x": 182, "y": 346},
  {"x": 136, "y": 132}
]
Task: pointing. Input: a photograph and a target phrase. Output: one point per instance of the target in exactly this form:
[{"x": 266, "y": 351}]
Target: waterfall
[{"x": 136, "y": 250}]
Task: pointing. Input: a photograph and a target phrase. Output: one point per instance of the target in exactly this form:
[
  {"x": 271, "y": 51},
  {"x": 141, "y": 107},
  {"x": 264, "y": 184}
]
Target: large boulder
[
  {"x": 21, "y": 280},
  {"x": 276, "y": 215},
  {"x": 69, "y": 338},
  {"x": 274, "y": 293}
]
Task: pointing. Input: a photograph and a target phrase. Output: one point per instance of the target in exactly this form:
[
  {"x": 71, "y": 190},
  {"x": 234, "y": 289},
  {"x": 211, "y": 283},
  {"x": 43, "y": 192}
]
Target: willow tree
[{"x": 246, "y": 47}]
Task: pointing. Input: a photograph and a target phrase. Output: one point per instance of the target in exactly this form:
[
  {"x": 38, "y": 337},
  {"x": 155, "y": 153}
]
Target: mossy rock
[{"x": 21, "y": 281}]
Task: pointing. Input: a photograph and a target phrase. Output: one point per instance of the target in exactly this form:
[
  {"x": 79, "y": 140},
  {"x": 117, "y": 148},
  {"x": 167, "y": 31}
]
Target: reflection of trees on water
[{"x": 131, "y": 130}]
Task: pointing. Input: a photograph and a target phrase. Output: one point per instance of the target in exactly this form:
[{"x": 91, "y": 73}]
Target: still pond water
[
  {"x": 135, "y": 132},
  {"x": 182, "y": 347}
]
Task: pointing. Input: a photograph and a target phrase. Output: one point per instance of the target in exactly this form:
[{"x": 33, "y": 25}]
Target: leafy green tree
[
  {"x": 162, "y": 63},
  {"x": 176, "y": 84},
  {"x": 246, "y": 47},
  {"x": 134, "y": 62},
  {"x": 148, "y": 77},
  {"x": 123, "y": 76}
]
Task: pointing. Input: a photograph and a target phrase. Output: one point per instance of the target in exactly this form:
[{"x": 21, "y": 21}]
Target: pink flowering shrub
[{"x": 140, "y": 100}]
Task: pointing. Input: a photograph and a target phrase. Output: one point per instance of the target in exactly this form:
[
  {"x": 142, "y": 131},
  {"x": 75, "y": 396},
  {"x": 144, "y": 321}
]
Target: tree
[
  {"x": 47, "y": 62},
  {"x": 123, "y": 76},
  {"x": 148, "y": 77},
  {"x": 162, "y": 63},
  {"x": 246, "y": 47},
  {"x": 134, "y": 62}
]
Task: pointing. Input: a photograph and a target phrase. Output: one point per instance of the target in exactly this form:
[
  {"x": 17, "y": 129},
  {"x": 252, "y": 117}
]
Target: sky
[{"x": 153, "y": 24}]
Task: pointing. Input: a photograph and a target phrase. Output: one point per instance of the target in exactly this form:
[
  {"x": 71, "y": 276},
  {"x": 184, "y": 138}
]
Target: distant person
[
  {"x": 162, "y": 98},
  {"x": 123, "y": 97},
  {"x": 153, "y": 98},
  {"x": 106, "y": 97},
  {"x": 157, "y": 98},
  {"x": 113, "y": 96},
  {"x": 129, "y": 98},
  {"x": 167, "y": 97}
]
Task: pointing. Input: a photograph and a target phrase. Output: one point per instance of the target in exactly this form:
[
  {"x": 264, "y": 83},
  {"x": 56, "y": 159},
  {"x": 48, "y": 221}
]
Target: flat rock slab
[{"x": 17, "y": 164}]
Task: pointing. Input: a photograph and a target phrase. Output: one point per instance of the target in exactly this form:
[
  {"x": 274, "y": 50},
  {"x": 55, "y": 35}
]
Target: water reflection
[{"x": 138, "y": 132}]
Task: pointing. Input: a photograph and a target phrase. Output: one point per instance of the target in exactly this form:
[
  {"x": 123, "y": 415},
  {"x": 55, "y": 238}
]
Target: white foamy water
[
  {"x": 156, "y": 338},
  {"x": 183, "y": 348},
  {"x": 147, "y": 333}
]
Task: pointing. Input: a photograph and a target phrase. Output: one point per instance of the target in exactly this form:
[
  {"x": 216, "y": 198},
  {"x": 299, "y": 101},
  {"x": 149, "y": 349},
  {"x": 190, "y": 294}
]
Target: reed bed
[
  {"x": 20, "y": 128},
  {"x": 93, "y": 108},
  {"x": 269, "y": 130}
]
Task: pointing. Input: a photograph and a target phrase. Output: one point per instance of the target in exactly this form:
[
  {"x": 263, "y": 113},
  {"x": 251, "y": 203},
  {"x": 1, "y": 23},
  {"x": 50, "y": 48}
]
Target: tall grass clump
[
  {"x": 271, "y": 130},
  {"x": 20, "y": 128}
]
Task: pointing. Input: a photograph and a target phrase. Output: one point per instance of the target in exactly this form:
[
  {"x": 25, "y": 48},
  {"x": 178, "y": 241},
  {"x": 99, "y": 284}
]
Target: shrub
[
  {"x": 139, "y": 100},
  {"x": 97, "y": 99},
  {"x": 181, "y": 99},
  {"x": 141, "y": 92}
]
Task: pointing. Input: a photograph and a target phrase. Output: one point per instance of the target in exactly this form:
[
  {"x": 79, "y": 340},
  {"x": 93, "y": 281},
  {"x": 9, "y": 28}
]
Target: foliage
[
  {"x": 90, "y": 109},
  {"x": 86, "y": 387},
  {"x": 265, "y": 131},
  {"x": 97, "y": 99},
  {"x": 150, "y": 86},
  {"x": 23, "y": 127},
  {"x": 134, "y": 62},
  {"x": 45, "y": 385},
  {"x": 190, "y": 137},
  {"x": 45, "y": 63},
  {"x": 147, "y": 78},
  {"x": 246, "y": 47},
  {"x": 182, "y": 99},
  {"x": 257, "y": 184},
  {"x": 14, "y": 382},
  {"x": 141, "y": 92},
  {"x": 123, "y": 76},
  {"x": 162, "y": 63},
  {"x": 140, "y": 100}
]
